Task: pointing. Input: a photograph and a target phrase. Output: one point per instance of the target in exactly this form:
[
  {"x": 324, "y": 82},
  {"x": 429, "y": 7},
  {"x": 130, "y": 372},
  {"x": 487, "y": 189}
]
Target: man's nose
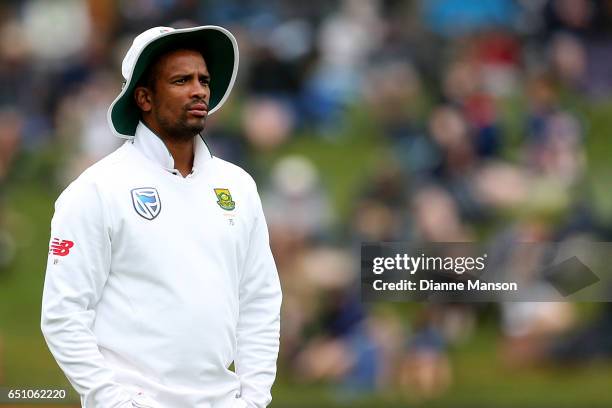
[{"x": 199, "y": 90}]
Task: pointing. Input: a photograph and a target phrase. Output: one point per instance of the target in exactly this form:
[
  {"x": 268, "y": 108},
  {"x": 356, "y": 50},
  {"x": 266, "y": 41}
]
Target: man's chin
[
  {"x": 186, "y": 132},
  {"x": 190, "y": 129},
  {"x": 197, "y": 130},
  {"x": 197, "y": 125}
]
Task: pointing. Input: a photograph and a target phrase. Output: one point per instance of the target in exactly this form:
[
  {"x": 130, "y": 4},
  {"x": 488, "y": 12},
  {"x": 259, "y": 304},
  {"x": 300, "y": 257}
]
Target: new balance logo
[{"x": 60, "y": 248}]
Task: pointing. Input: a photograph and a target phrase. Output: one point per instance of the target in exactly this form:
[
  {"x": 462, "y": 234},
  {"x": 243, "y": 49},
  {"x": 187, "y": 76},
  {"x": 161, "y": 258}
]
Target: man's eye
[
  {"x": 205, "y": 82},
  {"x": 180, "y": 81}
]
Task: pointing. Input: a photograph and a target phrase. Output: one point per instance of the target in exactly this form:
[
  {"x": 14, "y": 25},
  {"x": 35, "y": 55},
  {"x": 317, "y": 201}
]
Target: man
[{"x": 160, "y": 273}]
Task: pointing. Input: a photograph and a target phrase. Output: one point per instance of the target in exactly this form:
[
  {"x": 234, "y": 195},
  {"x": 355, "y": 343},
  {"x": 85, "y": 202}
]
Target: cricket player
[{"x": 160, "y": 274}]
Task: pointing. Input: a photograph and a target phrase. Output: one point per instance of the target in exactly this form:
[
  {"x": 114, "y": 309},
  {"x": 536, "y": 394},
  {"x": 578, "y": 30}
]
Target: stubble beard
[{"x": 181, "y": 129}]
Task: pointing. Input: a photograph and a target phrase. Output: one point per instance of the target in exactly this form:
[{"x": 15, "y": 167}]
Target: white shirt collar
[{"x": 153, "y": 148}]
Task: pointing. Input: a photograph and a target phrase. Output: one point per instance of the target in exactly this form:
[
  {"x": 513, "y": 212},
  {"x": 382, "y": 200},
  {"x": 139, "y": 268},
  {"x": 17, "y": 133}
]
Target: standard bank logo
[{"x": 146, "y": 202}]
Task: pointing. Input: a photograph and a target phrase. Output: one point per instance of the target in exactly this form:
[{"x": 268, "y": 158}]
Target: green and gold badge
[{"x": 225, "y": 199}]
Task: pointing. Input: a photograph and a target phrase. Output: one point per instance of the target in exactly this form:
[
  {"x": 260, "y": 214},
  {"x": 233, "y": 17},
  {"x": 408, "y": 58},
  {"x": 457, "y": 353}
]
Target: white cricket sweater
[{"x": 150, "y": 295}]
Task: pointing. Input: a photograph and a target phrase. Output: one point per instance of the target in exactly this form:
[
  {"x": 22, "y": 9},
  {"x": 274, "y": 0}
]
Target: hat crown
[{"x": 138, "y": 45}]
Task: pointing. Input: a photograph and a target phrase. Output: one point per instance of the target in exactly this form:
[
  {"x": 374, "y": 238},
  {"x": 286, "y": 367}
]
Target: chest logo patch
[
  {"x": 146, "y": 202},
  {"x": 225, "y": 199}
]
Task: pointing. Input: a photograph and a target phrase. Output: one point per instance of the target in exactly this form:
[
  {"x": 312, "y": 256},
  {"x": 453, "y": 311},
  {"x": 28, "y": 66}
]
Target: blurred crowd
[{"x": 476, "y": 111}]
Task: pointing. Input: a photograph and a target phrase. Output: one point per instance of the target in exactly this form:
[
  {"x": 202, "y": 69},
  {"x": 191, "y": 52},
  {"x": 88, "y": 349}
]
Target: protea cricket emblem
[
  {"x": 146, "y": 202},
  {"x": 225, "y": 199}
]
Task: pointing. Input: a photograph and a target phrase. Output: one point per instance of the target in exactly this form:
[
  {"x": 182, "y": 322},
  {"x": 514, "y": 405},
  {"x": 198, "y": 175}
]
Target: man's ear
[{"x": 143, "y": 98}]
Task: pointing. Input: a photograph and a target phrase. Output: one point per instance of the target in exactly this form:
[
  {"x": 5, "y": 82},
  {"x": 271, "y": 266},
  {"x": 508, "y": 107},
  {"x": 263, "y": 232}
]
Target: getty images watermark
[
  {"x": 470, "y": 272},
  {"x": 448, "y": 264}
]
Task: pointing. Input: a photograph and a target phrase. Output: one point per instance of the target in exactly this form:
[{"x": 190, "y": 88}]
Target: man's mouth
[{"x": 198, "y": 109}]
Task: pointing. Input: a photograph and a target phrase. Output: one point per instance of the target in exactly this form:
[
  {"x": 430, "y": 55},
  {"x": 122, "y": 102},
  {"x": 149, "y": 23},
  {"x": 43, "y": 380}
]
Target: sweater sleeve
[
  {"x": 259, "y": 316},
  {"x": 77, "y": 269}
]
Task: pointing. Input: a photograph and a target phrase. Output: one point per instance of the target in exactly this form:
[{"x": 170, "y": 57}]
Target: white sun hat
[{"x": 218, "y": 47}]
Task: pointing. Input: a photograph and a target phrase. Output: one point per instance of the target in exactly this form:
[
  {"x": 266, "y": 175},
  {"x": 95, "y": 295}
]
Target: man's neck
[{"x": 182, "y": 152}]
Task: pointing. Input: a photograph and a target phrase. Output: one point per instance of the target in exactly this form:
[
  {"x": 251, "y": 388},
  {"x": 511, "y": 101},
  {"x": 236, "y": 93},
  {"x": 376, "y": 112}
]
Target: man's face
[{"x": 177, "y": 105}]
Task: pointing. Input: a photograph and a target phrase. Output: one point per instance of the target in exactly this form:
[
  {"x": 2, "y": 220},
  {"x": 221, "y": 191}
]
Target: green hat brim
[{"x": 220, "y": 51}]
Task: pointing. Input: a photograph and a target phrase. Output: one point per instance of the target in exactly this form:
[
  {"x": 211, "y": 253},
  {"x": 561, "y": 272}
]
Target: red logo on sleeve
[{"x": 60, "y": 247}]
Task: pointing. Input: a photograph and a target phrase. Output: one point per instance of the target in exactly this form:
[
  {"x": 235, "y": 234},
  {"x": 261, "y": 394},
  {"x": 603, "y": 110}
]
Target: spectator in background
[
  {"x": 11, "y": 133},
  {"x": 82, "y": 123},
  {"x": 345, "y": 41},
  {"x": 296, "y": 185}
]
